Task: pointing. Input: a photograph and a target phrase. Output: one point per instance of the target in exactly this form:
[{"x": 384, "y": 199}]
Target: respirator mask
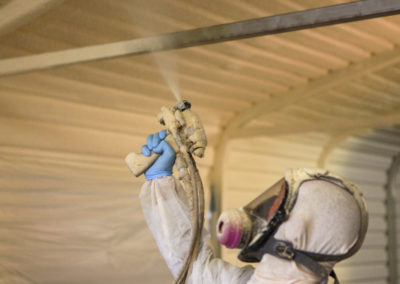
[{"x": 248, "y": 228}]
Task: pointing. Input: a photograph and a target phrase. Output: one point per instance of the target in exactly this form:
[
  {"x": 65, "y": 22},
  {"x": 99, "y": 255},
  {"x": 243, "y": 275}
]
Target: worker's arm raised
[{"x": 168, "y": 217}]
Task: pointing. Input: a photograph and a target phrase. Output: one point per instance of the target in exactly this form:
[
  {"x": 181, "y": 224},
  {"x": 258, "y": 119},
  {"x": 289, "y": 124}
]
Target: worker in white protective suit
[{"x": 297, "y": 230}]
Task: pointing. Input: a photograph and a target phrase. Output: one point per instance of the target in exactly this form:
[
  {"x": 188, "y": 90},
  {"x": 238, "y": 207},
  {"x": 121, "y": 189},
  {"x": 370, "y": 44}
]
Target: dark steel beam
[{"x": 312, "y": 18}]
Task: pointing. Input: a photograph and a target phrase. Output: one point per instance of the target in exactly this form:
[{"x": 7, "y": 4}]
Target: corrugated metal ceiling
[{"x": 225, "y": 78}]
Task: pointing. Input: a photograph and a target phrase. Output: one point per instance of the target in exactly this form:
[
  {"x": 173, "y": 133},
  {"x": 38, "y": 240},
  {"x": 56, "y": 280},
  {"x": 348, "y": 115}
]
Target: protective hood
[{"x": 309, "y": 217}]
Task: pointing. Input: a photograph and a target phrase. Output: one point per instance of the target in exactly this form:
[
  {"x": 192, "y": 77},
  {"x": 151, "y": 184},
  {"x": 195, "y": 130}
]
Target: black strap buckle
[{"x": 284, "y": 250}]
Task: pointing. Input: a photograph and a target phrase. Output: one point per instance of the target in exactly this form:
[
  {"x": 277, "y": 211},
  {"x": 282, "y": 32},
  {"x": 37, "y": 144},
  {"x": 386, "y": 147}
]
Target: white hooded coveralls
[{"x": 168, "y": 218}]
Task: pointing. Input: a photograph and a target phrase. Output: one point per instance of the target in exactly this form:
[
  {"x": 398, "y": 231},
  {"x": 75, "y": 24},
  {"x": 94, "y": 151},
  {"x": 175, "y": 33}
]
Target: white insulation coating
[
  {"x": 69, "y": 206},
  {"x": 74, "y": 217}
]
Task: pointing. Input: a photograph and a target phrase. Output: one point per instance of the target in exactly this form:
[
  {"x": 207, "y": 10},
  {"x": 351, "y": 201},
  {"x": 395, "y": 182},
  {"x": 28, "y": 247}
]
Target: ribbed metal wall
[
  {"x": 396, "y": 193},
  {"x": 365, "y": 160},
  {"x": 392, "y": 203}
]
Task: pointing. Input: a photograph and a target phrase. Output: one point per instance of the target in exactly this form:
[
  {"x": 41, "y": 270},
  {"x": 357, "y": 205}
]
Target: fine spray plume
[
  {"x": 167, "y": 64},
  {"x": 186, "y": 135}
]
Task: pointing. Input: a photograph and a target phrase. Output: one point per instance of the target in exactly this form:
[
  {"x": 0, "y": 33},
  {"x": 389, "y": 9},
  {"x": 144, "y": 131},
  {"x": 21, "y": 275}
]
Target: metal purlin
[
  {"x": 390, "y": 188},
  {"x": 299, "y": 20}
]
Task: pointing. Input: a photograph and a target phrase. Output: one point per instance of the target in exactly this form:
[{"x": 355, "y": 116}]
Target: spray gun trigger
[{"x": 160, "y": 119}]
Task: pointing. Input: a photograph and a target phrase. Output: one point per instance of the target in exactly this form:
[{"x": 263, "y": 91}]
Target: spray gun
[{"x": 186, "y": 135}]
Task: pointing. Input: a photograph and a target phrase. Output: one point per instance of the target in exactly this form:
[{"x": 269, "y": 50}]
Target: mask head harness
[{"x": 252, "y": 227}]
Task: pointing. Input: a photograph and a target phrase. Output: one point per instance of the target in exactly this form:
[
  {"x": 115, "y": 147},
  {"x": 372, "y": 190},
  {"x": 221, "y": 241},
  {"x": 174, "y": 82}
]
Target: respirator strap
[{"x": 285, "y": 250}]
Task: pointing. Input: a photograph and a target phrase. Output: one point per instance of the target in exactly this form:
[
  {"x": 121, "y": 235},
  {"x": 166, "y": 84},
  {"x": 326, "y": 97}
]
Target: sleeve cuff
[{"x": 158, "y": 175}]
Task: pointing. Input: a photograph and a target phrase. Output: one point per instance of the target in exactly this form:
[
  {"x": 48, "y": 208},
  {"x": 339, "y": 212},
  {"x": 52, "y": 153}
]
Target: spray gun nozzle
[{"x": 182, "y": 105}]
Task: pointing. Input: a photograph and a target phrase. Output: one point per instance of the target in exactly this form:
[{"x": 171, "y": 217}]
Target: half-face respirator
[{"x": 248, "y": 227}]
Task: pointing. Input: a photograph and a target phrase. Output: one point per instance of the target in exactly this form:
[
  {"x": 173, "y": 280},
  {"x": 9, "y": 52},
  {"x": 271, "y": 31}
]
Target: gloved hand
[{"x": 163, "y": 165}]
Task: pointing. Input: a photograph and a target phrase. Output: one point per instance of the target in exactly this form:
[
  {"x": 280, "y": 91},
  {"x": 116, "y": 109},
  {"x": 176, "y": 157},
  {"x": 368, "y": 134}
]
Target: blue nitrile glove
[{"x": 163, "y": 165}]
